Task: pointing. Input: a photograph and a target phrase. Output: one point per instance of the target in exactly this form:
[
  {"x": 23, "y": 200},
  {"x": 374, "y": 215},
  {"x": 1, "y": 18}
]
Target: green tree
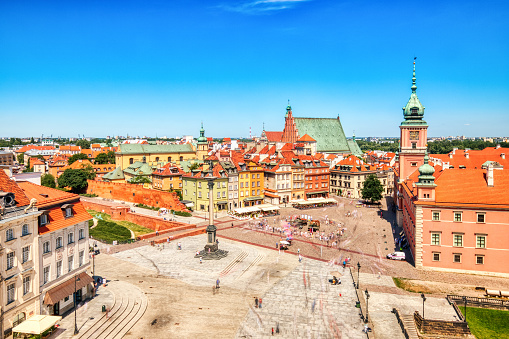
[
  {"x": 21, "y": 158},
  {"x": 75, "y": 157},
  {"x": 32, "y": 140},
  {"x": 76, "y": 179},
  {"x": 372, "y": 189},
  {"x": 85, "y": 144},
  {"x": 194, "y": 166},
  {"x": 105, "y": 158},
  {"x": 48, "y": 180}
]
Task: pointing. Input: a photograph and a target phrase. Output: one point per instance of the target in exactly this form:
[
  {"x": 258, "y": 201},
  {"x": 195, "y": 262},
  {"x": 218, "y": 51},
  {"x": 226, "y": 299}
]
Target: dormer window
[
  {"x": 414, "y": 110},
  {"x": 43, "y": 219},
  {"x": 67, "y": 208}
]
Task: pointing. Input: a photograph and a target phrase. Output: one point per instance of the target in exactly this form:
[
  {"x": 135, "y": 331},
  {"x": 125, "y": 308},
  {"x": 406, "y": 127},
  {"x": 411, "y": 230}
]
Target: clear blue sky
[{"x": 161, "y": 67}]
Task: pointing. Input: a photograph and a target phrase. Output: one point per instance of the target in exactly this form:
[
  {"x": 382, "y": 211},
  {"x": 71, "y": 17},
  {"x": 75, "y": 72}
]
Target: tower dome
[
  {"x": 202, "y": 137},
  {"x": 426, "y": 172}
]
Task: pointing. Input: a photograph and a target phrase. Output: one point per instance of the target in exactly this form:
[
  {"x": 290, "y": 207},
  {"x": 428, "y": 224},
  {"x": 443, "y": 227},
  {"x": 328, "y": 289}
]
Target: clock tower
[{"x": 413, "y": 135}]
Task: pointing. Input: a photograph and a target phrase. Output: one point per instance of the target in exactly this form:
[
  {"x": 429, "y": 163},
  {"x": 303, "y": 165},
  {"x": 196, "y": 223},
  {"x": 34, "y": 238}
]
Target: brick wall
[
  {"x": 122, "y": 213},
  {"x": 136, "y": 194}
]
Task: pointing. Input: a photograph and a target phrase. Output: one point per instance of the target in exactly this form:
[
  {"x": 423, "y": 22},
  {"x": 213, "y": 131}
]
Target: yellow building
[
  {"x": 128, "y": 154},
  {"x": 167, "y": 178},
  {"x": 251, "y": 183}
]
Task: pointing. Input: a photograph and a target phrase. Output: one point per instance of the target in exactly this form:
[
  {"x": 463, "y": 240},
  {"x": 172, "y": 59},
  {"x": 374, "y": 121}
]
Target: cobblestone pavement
[{"x": 305, "y": 305}]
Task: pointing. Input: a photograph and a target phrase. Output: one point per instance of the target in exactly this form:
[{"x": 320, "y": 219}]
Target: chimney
[
  {"x": 498, "y": 146},
  {"x": 489, "y": 175},
  {"x": 467, "y": 155},
  {"x": 445, "y": 165},
  {"x": 454, "y": 150},
  {"x": 450, "y": 154},
  {"x": 502, "y": 155}
]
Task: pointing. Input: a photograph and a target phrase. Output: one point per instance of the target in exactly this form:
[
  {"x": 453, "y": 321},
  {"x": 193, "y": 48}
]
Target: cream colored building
[{"x": 128, "y": 154}]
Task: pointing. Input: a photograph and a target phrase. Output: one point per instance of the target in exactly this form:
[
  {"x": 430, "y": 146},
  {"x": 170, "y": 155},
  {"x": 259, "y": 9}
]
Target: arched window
[
  {"x": 169, "y": 159},
  {"x": 131, "y": 160},
  {"x": 18, "y": 319},
  {"x": 157, "y": 159},
  {"x": 181, "y": 158}
]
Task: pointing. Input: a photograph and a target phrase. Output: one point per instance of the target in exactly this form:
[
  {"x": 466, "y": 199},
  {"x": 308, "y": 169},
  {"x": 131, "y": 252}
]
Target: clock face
[{"x": 414, "y": 135}]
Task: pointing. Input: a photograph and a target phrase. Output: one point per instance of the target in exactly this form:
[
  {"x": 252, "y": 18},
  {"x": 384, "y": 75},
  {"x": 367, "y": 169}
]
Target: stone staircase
[{"x": 409, "y": 325}]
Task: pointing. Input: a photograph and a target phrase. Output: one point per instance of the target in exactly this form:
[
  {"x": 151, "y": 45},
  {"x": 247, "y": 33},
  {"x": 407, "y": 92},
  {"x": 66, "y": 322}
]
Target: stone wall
[
  {"x": 441, "y": 327},
  {"x": 135, "y": 194}
]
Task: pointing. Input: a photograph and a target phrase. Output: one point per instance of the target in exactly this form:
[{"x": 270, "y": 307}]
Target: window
[
  {"x": 131, "y": 161},
  {"x": 9, "y": 234},
  {"x": 181, "y": 158},
  {"x": 70, "y": 238},
  {"x": 258, "y": 176},
  {"x": 436, "y": 216},
  {"x": 413, "y": 164},
  {"x": 59, "y": 268},
  {"x": 43, "y": 220},
  {"x": 252, "y": 184},
  {"x": 10, "y": 293},
  {"x": 10, "y": 260},
  {"x": 24, "y": 230},
  {"x": 199, "y": 194},
  {"x": 70, "y": 261},
  {"x": 218, "y": 195},
  {"x": 46, "y": 274},
  {"x": 457, "y": 257},
  {"x": 224, "y": 194},
  {"x": 481, "y": 217},
  {"x": 157, "y": 159},
  {"x": 480, "y": 241},
  {"x": 199, "y": 184},
  {"x": 457, "y": 216},
  {"x": 435, "y": 239},
  {"x": 68, "y": 212},
  {"x": 81, "y": 257},
  {"x": 479, "y": 259},
  {"x": 58, "y": 243},
  {"x": 46, "y": 247},
  {"x": 26, "y": 253},
  {"x": 81, "y": 234},
  {"x": 458, "y": 240},
  {"x": 253, "y": 192},
  {"x": 26, "y": 285},
  {"x": 414, "y": 145},
  {"x": 169, "y": 159},
  {"x": 436, "y": 256},
  {"x": 257, "y": 192}
]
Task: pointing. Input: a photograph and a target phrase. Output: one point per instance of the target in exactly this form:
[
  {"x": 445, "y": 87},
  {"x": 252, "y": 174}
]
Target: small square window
[
  {"x": 481, "y": 217},
  {"x": 457, "y": 258},
  {"x": 479, "y": 259},
  {"x": 457, "y": 216},
  {"x": 458, "y": 240},
  {"x": 436, "y": 216},
  {"x": 436, "y": 256},
  {"x": 435, "y": 239},
  {"x": 480, "y": 241}
]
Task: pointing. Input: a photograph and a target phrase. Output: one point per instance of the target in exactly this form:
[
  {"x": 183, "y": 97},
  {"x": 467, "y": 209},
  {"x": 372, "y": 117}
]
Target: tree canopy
[
  {"x": 21, "y": 158},
  {"x": 75, "y": 157},
  {"x": 140, "y": 180},
  {"x": 105, "y": 158},
  {"x": 48, "y": 180},
  {"x": 372, "y": 189},
  {"x": 85, "y": 144},
  {"x": 76, "y": 179}
]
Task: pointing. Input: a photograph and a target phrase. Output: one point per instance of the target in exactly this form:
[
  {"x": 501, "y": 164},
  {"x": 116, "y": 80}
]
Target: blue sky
[{"x": 161, "y": 67}]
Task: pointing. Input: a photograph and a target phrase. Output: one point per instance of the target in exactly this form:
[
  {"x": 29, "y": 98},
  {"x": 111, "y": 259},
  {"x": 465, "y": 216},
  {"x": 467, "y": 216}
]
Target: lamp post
[
  {"x": 465, "y": 301},
  {"x": 358, "y": 270},
  {"x": 76, "y": 330},
  {"x": 423, "y": 300},
  {"x": 367, "y": 304}
]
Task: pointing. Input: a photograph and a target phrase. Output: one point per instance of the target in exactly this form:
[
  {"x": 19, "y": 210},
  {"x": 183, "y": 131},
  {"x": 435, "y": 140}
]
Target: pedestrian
[
  {"x": 217, "y": 283},
  {"x": 300, "y": 258},
  {"x": 276, "y": 245},
  {"x": 273, "y": 331},
  {"x": 298, "y": 250},
  {"x": 232, "y": 225},
  {"x": 277, "y": 328},
  {"x": 200, "y": 260},
  {"x": 260, "y": 303},
  {"x": 256, "y": 302},
  {"x": 344, "y": 263}
]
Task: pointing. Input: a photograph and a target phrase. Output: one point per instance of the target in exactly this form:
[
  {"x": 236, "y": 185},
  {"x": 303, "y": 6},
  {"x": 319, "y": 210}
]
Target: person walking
[
  {"x": 217, "y": 283},
  {"x": 300, "y": 258},
  {"x": 256, "y": 302},
  {"x": 260, "y": 303}
]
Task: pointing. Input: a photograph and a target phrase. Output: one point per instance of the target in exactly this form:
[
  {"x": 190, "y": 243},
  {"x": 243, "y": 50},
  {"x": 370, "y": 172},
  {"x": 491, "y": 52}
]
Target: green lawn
[
  {"x": 487, "y": 324},
  {"x": 107, "y": 231},
  {"x": 137, "y": 229}
]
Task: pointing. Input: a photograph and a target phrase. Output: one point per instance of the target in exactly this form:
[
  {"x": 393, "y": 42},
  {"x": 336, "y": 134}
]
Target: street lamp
[
  {"x": 76, "y": 330},
  {"x": 367, "y": 303},
  {"x": 465, "y": 301},
  {"x": 358, "y": 269},
  {"x": 423, "y": 300}
]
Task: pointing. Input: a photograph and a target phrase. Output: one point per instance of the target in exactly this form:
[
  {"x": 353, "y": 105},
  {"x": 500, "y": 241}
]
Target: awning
[
  {"x": 222, "y": 202},
  {"x": 66, "y": 289},
  {"x": 253, "y": 198},
  {"x": 37, "y": 324}
]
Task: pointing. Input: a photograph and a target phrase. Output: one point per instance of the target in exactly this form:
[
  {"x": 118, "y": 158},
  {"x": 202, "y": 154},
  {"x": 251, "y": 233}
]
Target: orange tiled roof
[
  {"x": 475, "y": 157},
  {"x": 30, "y": 147},
  {"x": 46, "y": 196},
  {"x": 287, "y": 147},
  {"x": 306, "y": 138},
  {"x": 274, "y": 136},
  {"x": 8, "y": 185},
  {"x": 57, "y": 219}
]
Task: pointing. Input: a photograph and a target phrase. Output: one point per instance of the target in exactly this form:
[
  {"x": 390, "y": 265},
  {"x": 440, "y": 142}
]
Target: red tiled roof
[
  {"x": 306, "y": 138},
  {"x": 274, "y": 136},
  {"x": 57, "y": 219},
  {"x": 29, "y": 147},
  {"x": 287, "y": 147},
  {"x": 8, "y": 185},
  {"x": 475, "y": 157},
  {"x": 45, "y": 195}
]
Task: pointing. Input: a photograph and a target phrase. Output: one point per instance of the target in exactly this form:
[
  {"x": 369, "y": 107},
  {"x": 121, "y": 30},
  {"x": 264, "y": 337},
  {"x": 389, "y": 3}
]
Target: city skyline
[{"x": 163, "y": 68}]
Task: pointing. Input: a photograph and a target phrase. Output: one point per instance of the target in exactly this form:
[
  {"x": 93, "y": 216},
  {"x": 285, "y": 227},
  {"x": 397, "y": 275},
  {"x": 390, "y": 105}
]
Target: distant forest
[{"x": 435, "y": 147}]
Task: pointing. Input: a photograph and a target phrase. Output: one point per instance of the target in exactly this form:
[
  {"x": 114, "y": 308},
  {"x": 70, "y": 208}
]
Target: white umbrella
[{"x": 284, "y": 242}]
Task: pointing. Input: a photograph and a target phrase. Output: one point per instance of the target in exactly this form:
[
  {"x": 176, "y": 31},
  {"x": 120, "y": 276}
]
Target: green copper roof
[
  {"x": 328, "y": 133},
  {"x": 413, "y": 112},
  {"x": 115, "y": 174},
  {"x": 202, "y": 138},
  {"x": 152, "y": 149},
  {"x": 426, "y": 172},
  {"x": 139, "y": 168}
]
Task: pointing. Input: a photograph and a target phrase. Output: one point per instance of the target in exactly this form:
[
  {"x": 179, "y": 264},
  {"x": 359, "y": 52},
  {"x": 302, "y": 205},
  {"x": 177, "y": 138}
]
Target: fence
[{"x": 498, "y": 304}]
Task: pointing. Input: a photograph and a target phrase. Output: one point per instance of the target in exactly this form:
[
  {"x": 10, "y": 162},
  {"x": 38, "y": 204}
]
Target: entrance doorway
[{"x": 56, "y": 309}]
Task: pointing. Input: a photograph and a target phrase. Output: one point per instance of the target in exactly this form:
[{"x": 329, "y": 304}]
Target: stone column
[{"x": 211, "y": 204}]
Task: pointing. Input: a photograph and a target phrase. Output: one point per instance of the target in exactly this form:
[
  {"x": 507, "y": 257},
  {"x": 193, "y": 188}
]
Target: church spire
[
  {"x": 413, "y": 112},
  {"x": 288, "y": 109},
  {"x": 414, "y": 86}
]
